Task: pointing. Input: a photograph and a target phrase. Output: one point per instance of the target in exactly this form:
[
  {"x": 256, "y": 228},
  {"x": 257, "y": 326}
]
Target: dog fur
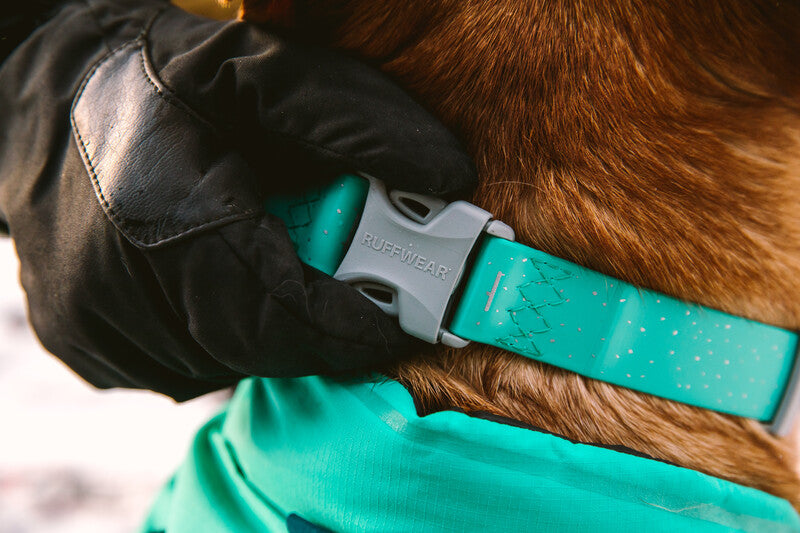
[{"x": 658, "y": 142}]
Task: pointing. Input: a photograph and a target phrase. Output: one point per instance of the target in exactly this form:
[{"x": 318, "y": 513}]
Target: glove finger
[
  {"x": 251, "y": 304},
  {"x": 300, "y": 109}
]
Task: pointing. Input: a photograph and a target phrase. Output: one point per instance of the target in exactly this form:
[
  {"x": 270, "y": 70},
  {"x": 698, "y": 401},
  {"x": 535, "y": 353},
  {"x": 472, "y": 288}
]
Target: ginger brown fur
[{"x": 657, "y": 142}]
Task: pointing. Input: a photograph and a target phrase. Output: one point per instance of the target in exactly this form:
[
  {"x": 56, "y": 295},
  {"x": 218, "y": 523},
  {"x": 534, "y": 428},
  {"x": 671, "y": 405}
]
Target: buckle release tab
[{"x": 409, "y": 254}]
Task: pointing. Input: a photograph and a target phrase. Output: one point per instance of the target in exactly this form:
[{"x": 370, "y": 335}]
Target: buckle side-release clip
[{"x": 409, "y": 254}]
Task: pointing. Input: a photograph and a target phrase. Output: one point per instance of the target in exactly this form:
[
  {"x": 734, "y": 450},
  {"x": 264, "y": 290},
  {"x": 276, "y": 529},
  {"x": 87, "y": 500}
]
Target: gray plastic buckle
[
  {"x": 409, "y": 254},
  {"x": 787, "y": 411}
]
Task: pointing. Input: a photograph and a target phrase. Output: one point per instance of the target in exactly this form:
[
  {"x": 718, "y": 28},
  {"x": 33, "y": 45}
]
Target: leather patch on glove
[{"x": 133, "y": 132}]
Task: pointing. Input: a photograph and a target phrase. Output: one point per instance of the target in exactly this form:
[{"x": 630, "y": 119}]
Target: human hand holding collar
[{"x": 144, "y": 142}]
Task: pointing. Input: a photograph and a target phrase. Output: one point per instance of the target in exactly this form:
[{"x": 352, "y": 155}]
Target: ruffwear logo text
[{"x": 404, "y": 255}]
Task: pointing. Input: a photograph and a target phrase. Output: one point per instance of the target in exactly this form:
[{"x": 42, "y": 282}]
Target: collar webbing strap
[
  {"x": 557, "y": 312},
  {"x": 560, "y": 313}
]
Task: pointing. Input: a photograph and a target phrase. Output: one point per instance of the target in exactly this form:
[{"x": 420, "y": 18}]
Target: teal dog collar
[{"x": 411, "y": 255}]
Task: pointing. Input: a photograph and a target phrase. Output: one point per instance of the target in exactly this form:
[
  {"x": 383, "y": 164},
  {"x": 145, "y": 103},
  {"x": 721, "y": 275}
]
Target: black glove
[{"x": 137, "y": 144}]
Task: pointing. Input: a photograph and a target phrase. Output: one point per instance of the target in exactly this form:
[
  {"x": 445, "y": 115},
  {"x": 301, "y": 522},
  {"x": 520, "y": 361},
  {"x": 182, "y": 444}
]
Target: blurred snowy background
[{"x": 72, "y": 458}]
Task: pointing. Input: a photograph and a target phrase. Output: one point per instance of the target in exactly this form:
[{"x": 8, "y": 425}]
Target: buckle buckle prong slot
[{"x": 411, "y": 252}]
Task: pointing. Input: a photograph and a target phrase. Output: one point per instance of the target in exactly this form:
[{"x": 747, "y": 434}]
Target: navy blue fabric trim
[{"x": 297, "y": 524}]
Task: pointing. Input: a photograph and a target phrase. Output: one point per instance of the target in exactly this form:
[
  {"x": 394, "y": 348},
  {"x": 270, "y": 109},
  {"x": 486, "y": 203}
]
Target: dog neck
[
  {"x": 628, "y": 139},
  {"x": 640, "y": 146}
]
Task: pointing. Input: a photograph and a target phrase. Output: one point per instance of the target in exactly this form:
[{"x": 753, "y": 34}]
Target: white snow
[{"x": 72, "y": 458}]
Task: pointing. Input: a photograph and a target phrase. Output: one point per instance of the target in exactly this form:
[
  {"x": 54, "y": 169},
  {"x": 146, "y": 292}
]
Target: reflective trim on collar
[{"x": 560, "y": 313}]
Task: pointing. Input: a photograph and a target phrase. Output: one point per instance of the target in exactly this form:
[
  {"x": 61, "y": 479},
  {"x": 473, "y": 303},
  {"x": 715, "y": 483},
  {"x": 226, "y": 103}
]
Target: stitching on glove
[{"x": 132, "y": 234}]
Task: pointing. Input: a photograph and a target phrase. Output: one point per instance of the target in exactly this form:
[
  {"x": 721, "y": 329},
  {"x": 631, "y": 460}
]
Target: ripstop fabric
[{"x": 355, "y": 456}]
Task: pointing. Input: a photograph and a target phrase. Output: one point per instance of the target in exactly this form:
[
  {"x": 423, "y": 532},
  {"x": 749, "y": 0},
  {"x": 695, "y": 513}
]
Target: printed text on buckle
[{"x": 405, "y": 255}]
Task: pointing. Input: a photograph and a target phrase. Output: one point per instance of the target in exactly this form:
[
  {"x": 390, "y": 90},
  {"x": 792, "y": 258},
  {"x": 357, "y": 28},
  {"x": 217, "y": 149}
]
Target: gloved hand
[{"x": 137, "y": 145}]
